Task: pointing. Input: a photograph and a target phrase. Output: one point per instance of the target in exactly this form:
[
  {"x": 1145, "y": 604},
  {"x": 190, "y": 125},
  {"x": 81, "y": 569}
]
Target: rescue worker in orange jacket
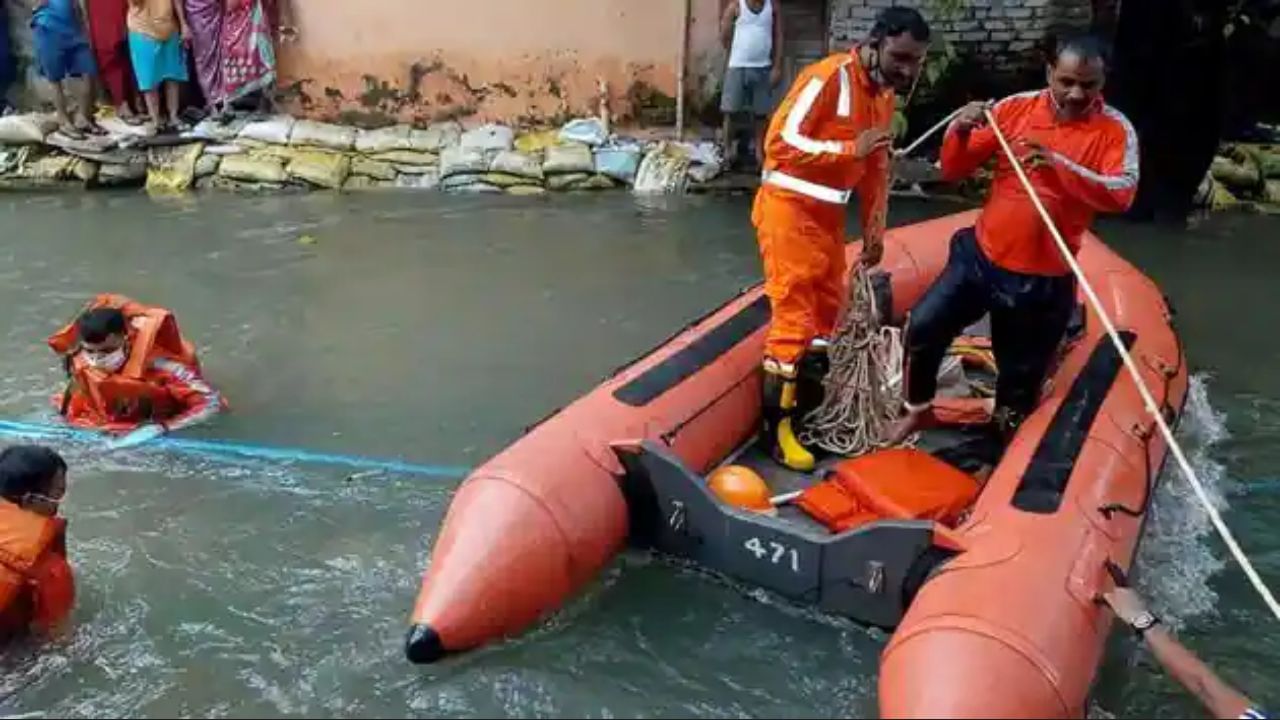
[
  {"x": 37, "y": 587},
  {"x": 130, "y": 371},
  {"x": 830, "y": 137},
  {"x": 1081, "y": 156}
]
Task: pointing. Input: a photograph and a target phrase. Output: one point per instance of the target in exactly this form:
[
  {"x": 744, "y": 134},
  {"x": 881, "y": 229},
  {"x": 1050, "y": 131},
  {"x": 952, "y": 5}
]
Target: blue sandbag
[{"x": 620, "y": 163}]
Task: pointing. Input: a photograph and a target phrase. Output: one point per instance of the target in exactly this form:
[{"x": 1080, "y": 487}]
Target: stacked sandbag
[
  {"x": 462, "y": 168},
  {"x": 251, "y": 172},
  {"x": 664, "y": 171},
  {"x": 28, "y": 129},
  {"x": 321, "y": 169},
  {"x": 37, "y": 167},
  {"x": 307, "y": 133},
  {"x": 572, "y": 166},
  {"x": 1245, "y": 175},
  {"x": 515, "y": 171},
  {"x": 172, "y": 169}
]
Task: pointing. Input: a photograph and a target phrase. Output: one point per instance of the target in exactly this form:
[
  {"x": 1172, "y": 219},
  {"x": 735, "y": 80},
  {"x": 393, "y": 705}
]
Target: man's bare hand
[
  {"x": 872, "y": 140},
  {"x": 872, "y": 253},
  {"x": 974, "y": 115},
  {"x": 1032, "y": 154},
  {"x": 1126, "y": 604}
]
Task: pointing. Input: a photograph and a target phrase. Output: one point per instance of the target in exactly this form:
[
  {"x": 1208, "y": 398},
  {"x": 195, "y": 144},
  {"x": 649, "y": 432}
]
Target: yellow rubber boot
[{"x": 779, "y": 419}]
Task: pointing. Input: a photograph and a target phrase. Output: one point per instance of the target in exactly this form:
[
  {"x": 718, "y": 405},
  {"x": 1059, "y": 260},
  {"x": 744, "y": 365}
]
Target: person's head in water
[
  {"x": 1076, "y": 75},
  {"x": 104, "y": 338},
  {"x": 896, "y": 46},
  {"x": 33, "y": 477}
]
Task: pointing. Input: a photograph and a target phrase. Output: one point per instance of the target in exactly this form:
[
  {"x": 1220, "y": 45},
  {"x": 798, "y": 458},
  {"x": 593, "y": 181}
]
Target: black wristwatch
[{"x": 1143, "y": 623}]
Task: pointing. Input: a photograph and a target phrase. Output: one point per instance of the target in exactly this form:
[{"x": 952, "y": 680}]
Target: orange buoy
[{"x": 741, "y": 487}]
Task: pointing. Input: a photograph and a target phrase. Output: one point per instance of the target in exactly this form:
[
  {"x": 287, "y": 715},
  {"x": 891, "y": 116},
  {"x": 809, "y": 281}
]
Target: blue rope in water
[{"x": 222, "y": 448}]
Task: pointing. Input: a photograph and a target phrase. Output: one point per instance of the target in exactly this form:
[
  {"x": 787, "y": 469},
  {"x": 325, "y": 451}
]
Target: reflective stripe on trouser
[{"x": 802, "y": 246}]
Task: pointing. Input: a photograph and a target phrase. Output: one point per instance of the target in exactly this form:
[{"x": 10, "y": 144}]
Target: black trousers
[{"x": 1029, "y": 316}]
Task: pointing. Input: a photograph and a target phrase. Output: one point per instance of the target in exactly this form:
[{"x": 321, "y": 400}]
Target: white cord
[
  {"x": 929, "y": 133},
  {"x": 1187, "y": 471}
]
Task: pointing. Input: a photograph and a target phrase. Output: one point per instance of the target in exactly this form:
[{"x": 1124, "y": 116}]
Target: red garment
[
  {"x": 810, "y": 171},
  {"x": 108, "y": 35},
  {"x": 1093, "y": 168}
]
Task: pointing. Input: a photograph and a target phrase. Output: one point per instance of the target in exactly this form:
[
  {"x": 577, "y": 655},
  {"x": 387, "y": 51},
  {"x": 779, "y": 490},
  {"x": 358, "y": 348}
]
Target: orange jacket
[
  {"x": 810, "y": 143},
  {"x": 36, "y": 583},
  {"x": 160, "y": 381},
  {"x": 1093, "y": 168}
]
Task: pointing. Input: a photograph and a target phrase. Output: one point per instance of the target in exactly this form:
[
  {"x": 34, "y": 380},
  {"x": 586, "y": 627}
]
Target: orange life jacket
[
  {"x": 26, "y": 539},
  {"x": 122, "y": 400},
  {"x": 896, "y": 484}
]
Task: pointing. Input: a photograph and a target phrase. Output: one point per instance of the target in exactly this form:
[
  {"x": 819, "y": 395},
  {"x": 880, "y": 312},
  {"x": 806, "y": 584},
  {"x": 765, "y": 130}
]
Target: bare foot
[{"x": 907, "y": 425}]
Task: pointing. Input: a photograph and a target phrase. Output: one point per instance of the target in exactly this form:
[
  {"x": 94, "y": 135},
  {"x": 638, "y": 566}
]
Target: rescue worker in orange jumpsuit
[
  {"x": 37, "y": 587},
  {"x": 830, "y": 137},
  {"x": 1081, "y": 156},
  {"x": 130, "y": 371}
]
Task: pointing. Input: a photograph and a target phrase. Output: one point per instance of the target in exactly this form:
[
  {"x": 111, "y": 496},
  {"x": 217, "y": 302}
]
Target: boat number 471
[{"x": 774, "y": 552}]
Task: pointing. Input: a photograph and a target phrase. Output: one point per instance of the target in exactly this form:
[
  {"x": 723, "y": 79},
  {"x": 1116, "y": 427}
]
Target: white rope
[
  {"x": 1187, "y": 471},
  {"x": 862, "y": 398},
  {"x": 863, "y": 389}
]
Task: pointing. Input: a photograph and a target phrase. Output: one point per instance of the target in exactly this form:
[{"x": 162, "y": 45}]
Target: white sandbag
[
  {"x": 436, "y": 137},
  {"x": 275, "y": 130},
  {"x": 425, "y": 181},
  {"x": 227, "y": 149},
  {"x": 469, "y": 182},
  {"x": 489, "y": 137},
  {"x": 665, "y": 170},
  {"x": 526, "y": 190},
  {"x": 215, "y": 131},
  {"x": 416, "y": 169},
  {"x": 505, "y": 180},
  {"x": 207, "y": 165},
  {"x": 383, "y": 140},
  {"x": 308, "y": 133},
  {"x": 375, "y": 169},
  {"x": 253, "y": 168},
  {"x": 573, "y": 158},
  {"x": 26, "y": 129},
  {"x": 516, "y": 163},
  {"x": 589, "y": 131},
  {"x": 457, "y": 160},
  {"x": 322, "y": 169},
  {"x": 407, "y": 157},
  {"x": 565, "y": 181}
]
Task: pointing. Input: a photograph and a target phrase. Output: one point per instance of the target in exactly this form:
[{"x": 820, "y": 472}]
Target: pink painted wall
[{"x": 507, "y": 60}]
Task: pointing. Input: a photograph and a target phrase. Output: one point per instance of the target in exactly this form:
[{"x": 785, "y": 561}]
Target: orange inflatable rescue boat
[{"x": 991, "y": 588}]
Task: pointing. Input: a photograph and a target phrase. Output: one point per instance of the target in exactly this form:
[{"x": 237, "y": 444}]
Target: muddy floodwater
[{"x": 432, "y": 329}]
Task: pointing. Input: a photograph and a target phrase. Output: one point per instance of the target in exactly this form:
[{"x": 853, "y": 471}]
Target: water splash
[{"x": 1176, "y": 560}]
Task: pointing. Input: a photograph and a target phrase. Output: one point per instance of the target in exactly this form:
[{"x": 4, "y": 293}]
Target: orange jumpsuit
[{"x": 810, "y": 170}]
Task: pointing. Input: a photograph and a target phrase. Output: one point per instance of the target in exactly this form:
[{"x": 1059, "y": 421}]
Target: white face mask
[{"x": 110, "y": 362}]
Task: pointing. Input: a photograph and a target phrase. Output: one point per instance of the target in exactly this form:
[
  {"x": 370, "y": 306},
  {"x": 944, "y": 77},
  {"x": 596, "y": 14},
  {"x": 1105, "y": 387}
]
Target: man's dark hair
[
  {"x": 1086, "y": 46},
  {"x": 99, "y": 324},
  {"x": 26, "y": 469},
  {"x": 892, "y": 22}
]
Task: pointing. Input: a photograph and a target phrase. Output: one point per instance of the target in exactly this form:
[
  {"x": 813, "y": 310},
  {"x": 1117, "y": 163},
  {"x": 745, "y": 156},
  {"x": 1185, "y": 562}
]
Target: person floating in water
[
  {"x": 37, "y": 587},
  {"x": 131, "y": 372}
]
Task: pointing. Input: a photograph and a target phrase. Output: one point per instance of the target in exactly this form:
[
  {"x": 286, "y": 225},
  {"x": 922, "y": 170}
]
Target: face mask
[{"x": 110, "y": 362}]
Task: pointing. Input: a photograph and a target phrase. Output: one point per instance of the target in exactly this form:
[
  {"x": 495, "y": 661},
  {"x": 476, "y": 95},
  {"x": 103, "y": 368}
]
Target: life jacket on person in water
[
  {"x": 122, "y": 400},
  {"x": 36, "y": 583},
  {"x": 895, "y": 484}
]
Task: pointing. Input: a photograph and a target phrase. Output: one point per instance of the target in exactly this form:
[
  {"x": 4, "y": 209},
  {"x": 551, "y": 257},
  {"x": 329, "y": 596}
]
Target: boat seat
[{"x": 894, "y": 484}]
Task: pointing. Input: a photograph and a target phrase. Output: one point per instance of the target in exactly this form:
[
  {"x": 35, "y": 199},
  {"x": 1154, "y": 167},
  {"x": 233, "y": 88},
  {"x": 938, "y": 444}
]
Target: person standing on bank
[{"x": 752, "y": 33}]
